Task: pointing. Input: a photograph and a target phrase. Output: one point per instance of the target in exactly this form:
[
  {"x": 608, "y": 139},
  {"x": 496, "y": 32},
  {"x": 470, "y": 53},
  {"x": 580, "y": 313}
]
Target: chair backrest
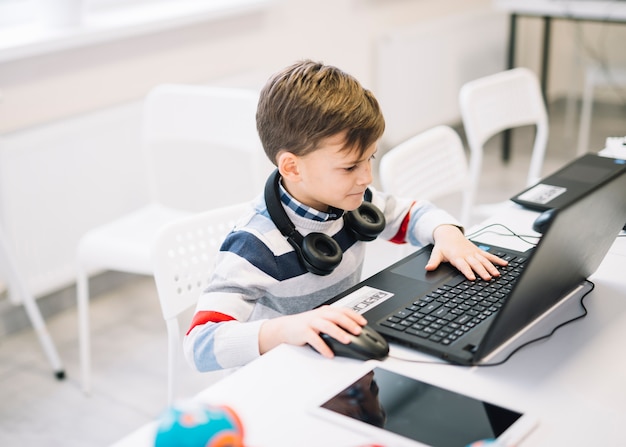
[
  {"x": 427, "y": 166},
  {"x": 184, "y": 253},
  {"x": 201, "y": 146},
  {"x": 183, "y": 256},
  {"x": 502, "y": 101}
]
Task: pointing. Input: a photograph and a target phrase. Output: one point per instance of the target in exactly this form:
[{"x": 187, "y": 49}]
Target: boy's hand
[
  {"x": 453, "y": 247},
  {"x": 304, "y": 328}
]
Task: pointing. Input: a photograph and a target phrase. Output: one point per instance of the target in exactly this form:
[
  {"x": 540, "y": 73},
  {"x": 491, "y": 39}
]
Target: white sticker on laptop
[
  {"x": 363, "y": 299},
  {"x": 542, "y": 193}
]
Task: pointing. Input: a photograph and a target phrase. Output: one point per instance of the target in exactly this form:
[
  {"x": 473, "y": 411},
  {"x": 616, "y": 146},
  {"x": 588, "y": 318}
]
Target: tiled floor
[{"x": 129, "y": 338}]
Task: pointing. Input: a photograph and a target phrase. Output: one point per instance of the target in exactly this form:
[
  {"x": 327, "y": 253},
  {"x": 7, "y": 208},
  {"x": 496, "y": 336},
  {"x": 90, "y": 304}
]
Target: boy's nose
[{"x": 366, "y": 175}]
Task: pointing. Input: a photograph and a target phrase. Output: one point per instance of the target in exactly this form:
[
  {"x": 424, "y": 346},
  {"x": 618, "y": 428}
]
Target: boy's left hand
[{"x": 452, "y": 246}]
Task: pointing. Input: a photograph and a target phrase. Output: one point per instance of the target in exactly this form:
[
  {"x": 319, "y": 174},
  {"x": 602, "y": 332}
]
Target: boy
[{"x": 320, "y": 127}]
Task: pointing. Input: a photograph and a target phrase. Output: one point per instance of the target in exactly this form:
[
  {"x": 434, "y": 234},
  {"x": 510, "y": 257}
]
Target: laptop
[
  {"x": 570, "y": 182},
  {"x": 415, "y": 308}
]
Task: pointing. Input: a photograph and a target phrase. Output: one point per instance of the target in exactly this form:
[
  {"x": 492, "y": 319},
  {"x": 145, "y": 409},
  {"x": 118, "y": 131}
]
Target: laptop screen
[{"x": 577, "y": 239}]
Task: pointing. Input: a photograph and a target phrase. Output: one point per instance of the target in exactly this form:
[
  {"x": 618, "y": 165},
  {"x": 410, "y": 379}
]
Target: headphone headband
[{"x": 275, "y": 208}]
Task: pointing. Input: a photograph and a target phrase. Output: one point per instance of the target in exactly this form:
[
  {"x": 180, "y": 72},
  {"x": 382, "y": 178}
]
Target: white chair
[
  {"x": 183, "y": 257},
  {"x": 429, "y": 165},
  {"x": 595, "y": 76},
  {"x": 201, "y": 151},
  {"x": 498, "y": 102},
  {"x": 16, "y": 285}
]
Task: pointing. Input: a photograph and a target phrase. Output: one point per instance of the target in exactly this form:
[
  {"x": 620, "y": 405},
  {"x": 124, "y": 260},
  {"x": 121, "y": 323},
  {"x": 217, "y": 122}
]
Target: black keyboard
[{"x": 449, "y": 312}]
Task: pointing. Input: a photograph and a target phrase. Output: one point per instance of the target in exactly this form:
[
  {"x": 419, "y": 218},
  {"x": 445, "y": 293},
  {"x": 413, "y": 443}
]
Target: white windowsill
[{"x": 101, "y": 27}]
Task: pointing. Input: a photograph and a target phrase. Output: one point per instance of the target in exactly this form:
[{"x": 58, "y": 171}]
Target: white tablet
[{"x": 396, "y": 410}]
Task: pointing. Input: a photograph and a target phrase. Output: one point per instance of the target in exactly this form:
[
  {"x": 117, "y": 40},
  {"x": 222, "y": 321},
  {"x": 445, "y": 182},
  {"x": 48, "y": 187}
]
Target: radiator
[
  {"x": 59, "y": 180},
  {"x": 421, "y": 68}
]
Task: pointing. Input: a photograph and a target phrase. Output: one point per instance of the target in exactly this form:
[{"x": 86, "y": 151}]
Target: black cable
[
  {"x": 545, "y": 337},
  {"x": 522, "y": 237}
]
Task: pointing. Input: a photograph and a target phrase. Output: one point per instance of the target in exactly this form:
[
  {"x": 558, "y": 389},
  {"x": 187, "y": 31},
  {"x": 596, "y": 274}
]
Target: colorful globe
[{"x": 193, "y": 424}]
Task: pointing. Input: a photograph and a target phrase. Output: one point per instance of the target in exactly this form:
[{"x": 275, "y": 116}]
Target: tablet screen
[{"x": 420, "y": 411}]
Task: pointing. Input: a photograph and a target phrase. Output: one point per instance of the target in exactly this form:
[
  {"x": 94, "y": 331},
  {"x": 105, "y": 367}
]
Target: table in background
[{"x": 581, "y": 10}]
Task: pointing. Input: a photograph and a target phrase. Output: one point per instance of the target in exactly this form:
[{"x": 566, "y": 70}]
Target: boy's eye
[{"x": 352, "y": 168}]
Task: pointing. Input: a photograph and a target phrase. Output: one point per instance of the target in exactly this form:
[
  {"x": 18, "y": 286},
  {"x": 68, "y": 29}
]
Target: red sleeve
[
  {"x": 400, "y": 237},
  {"x": 208, "y": 316}
]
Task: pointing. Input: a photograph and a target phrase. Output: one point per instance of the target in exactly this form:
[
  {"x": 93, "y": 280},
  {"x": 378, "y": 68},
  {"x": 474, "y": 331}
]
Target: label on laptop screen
[
  {"x": 363, "y": 299},
  {"x": 542, "y": 193}
]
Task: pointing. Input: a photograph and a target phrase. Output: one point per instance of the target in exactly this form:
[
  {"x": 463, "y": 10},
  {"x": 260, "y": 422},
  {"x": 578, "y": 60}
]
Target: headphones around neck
[{"x": 318, "y": 252}]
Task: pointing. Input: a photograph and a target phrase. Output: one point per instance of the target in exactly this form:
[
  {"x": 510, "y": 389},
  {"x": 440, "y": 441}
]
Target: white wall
[{"x": 40, "y": 89}]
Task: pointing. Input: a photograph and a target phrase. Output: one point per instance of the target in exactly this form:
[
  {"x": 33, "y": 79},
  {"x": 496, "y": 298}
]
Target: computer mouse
[
  {"x": 542, "y": 222},
  {"x": 369, "y": 344}
]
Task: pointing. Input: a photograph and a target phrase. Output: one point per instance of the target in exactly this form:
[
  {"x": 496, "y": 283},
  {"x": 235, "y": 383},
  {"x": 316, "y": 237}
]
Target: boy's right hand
[{"x": 304, "y": 328}]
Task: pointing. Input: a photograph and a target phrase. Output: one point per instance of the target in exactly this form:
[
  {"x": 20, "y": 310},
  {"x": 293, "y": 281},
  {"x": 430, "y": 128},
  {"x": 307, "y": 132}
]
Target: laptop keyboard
[{"x": 449, "y": 312}]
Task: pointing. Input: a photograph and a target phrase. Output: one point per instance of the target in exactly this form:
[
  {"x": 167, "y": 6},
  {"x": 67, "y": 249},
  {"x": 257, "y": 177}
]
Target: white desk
[
  {"x": 608, "y": 10},
  {"x": 573, "y": 382},
  {"x": 590, "y": 10}
]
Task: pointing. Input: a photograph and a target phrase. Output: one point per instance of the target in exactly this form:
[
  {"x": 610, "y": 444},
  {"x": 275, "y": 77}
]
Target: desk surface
[
  {"x": 574, "y": 9},
  {"x": 573, "y": 382}
]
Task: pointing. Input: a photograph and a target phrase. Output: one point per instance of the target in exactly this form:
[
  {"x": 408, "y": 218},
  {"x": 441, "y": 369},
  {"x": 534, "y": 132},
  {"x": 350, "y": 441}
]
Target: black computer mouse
[
  {"x": 542, "y": 222},
  {"x": 369, "y": 344}
]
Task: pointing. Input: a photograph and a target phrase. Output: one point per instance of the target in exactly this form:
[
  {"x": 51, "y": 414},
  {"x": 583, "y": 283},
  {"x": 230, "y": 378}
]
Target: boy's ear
[{"x": 288, "y": 166}]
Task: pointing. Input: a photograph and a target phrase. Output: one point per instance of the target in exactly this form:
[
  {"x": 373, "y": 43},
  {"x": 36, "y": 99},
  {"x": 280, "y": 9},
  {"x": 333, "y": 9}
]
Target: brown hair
[{"x": 308, "y": 102}]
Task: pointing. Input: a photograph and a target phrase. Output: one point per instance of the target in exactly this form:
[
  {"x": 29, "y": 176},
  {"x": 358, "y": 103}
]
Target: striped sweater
[{"x": 258, "y": 276}]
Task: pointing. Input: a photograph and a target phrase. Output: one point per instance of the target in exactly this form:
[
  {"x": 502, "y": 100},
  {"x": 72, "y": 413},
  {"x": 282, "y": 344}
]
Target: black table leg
[
  {"x": 506, "y": 137},
  {"x": 545, "y": 57},
  {"x": 547, "y": 22}
]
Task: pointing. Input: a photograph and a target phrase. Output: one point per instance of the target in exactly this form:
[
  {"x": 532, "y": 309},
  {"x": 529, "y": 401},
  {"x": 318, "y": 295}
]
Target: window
[
  {"x": 28, "y": 12},
  {"x": 17, "y": 12},
  {"x": 34, "y": 27},
  {"x": 95, "y": 5}
]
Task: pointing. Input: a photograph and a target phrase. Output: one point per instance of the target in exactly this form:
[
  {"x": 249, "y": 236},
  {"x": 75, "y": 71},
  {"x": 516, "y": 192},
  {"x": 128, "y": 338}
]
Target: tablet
[{"x": 396, "y": 410}]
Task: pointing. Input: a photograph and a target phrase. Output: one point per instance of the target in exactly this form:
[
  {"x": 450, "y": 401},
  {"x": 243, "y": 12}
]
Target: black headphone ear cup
[
  {"x": 366, "y": 222},
  {"x": 321, "y": 253}
]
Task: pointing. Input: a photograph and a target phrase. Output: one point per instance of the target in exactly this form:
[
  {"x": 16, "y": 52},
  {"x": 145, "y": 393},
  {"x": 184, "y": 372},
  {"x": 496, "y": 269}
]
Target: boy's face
[{"x": 332, "y": 176}]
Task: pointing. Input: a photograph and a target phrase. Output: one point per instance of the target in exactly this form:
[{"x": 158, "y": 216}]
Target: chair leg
[
  {"x": 466, "y": 209},
  {"x": 44, "y": 336},
  {"x": 16, "y": 285},
  {"x": 82, "y": 294},
  {"x": 173, "y": 340}
]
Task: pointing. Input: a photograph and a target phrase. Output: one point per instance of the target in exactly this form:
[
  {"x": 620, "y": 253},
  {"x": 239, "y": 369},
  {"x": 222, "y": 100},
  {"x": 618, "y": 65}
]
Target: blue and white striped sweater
[{"x": 258, "y": 276}]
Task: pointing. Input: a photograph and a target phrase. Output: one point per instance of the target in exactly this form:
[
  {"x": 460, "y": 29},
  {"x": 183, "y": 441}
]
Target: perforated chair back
[
  {"x": 498, "y": 102},
  {"x": 183, "y": 256},
  {"x": 429, "y": 165}
]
